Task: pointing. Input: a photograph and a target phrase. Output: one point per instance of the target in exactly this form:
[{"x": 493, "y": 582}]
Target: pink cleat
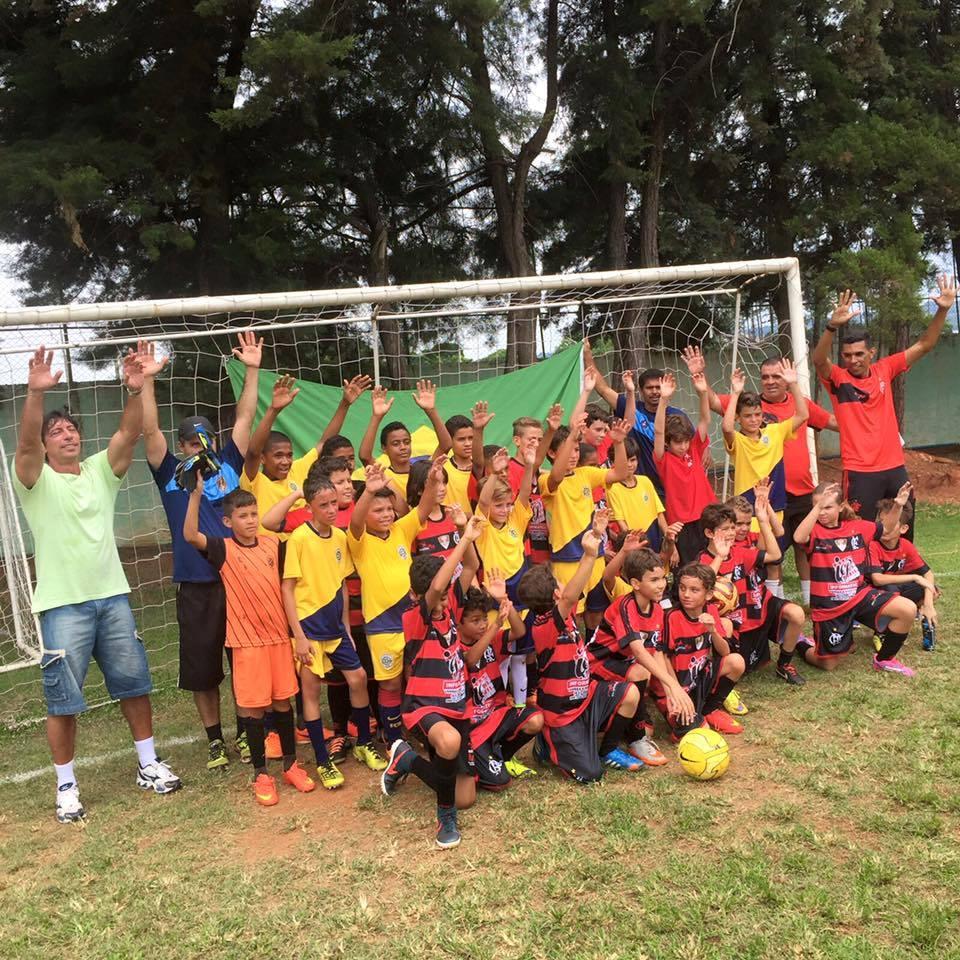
[{"x": 892, "y": 666}]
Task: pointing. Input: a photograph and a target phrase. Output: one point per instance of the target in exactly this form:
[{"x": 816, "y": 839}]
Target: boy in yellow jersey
[
  {"x": 634, "y": 503},
  {"x": 270, "y": 472},
  {"x": 382, "y": 550},
  {"x": 315, "y": 600},
  {"x": 460, "y": 466},
  {"x": 568, "y": 499}
]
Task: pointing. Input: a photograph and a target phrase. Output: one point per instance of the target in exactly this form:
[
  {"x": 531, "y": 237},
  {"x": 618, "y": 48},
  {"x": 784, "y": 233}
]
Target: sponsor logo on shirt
[{"x": 402, "y": 553}]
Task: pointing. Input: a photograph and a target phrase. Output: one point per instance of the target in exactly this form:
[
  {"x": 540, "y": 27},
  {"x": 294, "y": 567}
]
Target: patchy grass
[{"x": 833, "y": 835}]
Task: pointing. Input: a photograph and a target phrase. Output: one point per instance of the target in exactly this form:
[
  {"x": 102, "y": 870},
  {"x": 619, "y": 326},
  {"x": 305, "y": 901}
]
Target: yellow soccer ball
[
  {"x": 725, "y": 596},
  {"x": 703, "y": 754}
]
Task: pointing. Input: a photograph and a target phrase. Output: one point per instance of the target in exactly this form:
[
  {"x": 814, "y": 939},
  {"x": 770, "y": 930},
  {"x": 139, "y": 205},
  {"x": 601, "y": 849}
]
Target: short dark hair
[
  {"x": 677, "y": 427},
  {"x": 384, "y": 493},
  {"x": 770, "y": 362},
  {"x": 55, "y": 416},
  {"x": 749, "y": 399},
  {"x": 326, "y": 466},
  {"x": 740, "y": 503},
  {"x": 422, "y": 571},
  {"x": 651, "y": 373},
  {"x": 391, "y": 427},
  {"x": 337, "y": 442},
  {"x": 586, "y": 450},
  {"x": 856, "y": 335},
  {"x": 474, "y": 600},
  {"x": 273, "y": 438},
  {"x": 638, "y": 562},
  {"x": 562, "y": 432},
  {"x": 314, "y": 484},
  {"x": 489, "y": 449},
  {"x": 715, "y": 514},
  {"x": 699, "y": 571},
  {"x": 595, "y": 412},
  {"x": 631, "y": 448},
  {"x": 887, "y": 504},
  {"x": 417, "y": 481},
  {"x": 236, "y": 499},
  {"x": 458, "y": 422},
  {"x": 536, "y": 588}
]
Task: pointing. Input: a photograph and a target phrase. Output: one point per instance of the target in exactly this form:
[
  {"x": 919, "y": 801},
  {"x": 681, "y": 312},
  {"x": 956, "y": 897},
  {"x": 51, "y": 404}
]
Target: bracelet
[
  {"x": 831, "y": 328},
  {"x": 134, "y": 393}
]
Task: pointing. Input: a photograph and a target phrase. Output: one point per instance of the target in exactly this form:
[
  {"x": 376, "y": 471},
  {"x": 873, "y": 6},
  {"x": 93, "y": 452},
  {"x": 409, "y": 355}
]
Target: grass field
[{"x": 835, "y": 834}]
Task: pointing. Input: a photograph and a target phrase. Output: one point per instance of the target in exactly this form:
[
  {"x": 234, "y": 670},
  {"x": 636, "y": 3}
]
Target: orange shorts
[{"x": 263, "y": 674}]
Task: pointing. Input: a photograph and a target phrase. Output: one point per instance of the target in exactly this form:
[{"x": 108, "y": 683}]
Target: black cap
[{"x": 191, "y": 426}]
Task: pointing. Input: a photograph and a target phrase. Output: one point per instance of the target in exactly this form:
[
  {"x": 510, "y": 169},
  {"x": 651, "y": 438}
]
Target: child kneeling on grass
[
  {"x": 263, "y": 675},
  {"x": 435, "y": 704}
]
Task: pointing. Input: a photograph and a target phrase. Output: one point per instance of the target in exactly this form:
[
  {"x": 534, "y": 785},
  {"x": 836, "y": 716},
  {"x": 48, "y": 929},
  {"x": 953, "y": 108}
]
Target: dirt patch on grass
[{"x": 935, "y": 477}]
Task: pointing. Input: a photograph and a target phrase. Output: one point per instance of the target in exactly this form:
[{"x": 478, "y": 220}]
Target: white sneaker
[
  {"x": 69, "y": 807},
  {"x": 158, "y": 777},
  {"x": 647, "y": 751}
]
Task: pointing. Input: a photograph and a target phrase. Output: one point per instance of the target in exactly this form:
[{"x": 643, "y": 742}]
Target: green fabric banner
[{"x": 523, "y": 393}]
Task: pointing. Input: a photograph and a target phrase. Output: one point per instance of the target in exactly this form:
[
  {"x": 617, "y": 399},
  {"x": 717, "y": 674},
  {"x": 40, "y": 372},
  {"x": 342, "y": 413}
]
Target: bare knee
[
  {"x": 733, "y": 666},
  {"x": 533, "y": 725},
  {"x": 794, "y": 614},
  {"x": 630, "y": 702},
  {"x": 445, "y": 739}
]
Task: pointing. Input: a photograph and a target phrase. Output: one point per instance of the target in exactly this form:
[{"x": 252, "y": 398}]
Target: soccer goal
[{"x": 453, "y": 333}]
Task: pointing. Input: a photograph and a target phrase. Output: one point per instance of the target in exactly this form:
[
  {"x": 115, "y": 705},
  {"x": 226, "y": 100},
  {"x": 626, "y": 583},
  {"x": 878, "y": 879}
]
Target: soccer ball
[
  {"x": 703, "y": 754},
  {"x": 725, "y": 596}
]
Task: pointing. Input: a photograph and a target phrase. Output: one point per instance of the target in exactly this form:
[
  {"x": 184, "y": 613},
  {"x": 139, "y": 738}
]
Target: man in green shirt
[{"x": 81, "y": 592}]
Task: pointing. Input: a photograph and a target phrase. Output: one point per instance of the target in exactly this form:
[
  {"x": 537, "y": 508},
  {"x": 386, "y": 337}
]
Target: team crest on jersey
[
  {"x": 765, "y": 440},
  {"x": 270, "y": 561},
  {"x": 402, "y": 553},
  {"x": 339, "y": 556},
  {"x": 292, "y": 485},
  {"x": 444, "y": 540},
  {"x": 513, "y": 533},
  {"x": 841, "y": 545},
  {"x": 883, "y": 387},
  {"x": 835, "y": 639},
  {"x": 586, "y": 491},
  {"x": 386, "y": 661}
]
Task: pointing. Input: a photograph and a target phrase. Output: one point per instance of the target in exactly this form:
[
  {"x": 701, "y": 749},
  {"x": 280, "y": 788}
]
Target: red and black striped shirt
[
  {"x": 623, "y": 622},
  {"x": 565, "y": 688},
  {"x": 747, "y": 571},
  {"x": 689, "y": 646},
  {"x": 487, "y": 688},
  {"x": 438, "y": 538},
  {"x": 903, "y": 558},
  {"x": 839, "y": 566}
]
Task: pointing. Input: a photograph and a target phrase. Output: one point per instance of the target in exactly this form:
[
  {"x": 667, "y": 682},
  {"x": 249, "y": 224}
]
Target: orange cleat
[
  {"x": 265, "y": 790},
  {"x": 722, "y": 722},
  {"x": 297, "y": 777},
  {"x": 302, "y": 735},
  {"x": 271, "y": 743}
]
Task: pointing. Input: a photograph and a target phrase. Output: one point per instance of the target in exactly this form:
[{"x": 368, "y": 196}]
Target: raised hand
[
  {"x": 788, "y": 371},
  {"x": 699, "y": 382},
  {"x": 590, "y": 542},
  {"x": 495, "y": 583},
  {"x": 619, "y": 430},
  {"x": 506, "y": 608},
  {"x": 455, "y": 514},
  {"x": 831, "y": 489},
  {"x": 695, "y": 361},
  {"x": 353, "y": 388},
  {"x": 133, "y": 372},
  {"x": 738, "y": 381},
  {"x": 436, "y": 475},
  {"x": 146, "y": 351},
  {"x": 578, "y": 423},
  {"x": 947, "y": 296},
  {"x": 530, "y": 456},
  {"x": 601, "y": 520},
  {"x": 590, "y": 378},
  {"x": 673, "y": 531},
  {"x": 629, "y": 384},
  {"x": 845, "y": 310},
  {"x": 41, "y": 377},
  {"x": 555, "y": 417},
  {"x": 723, "y": 545},
  {"x": 668, "y": 386},
  {"x": 903, "y": 494},
  {"x": 634, "y": 540},
  {"x": 284, "y": 392},
  {"x": 250, "y": 351},
  {"x": 375, "y": 478},
  {"x": 425, "y": 396},
  {"x": 381, "y": 402},
  {"x": 500, "y": 461},
  {"x": 587, "y": 353},
  {"x": 481, "y": 415},
  {"x": 761, "y": 490},
  {"x": 473, "y": 529}
]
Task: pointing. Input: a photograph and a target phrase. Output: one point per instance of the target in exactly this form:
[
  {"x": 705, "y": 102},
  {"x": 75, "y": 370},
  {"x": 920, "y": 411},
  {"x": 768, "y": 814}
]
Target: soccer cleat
[
  {"x": 352, "y": 728},
  {"x": 339, "y": 748},
  {"x": 892, "y": 666},
  {"x": 366, "y": 753},
  {"x": 301, "y": 735},
  {"x": 330, "y": 777},
  {"x": 788, "y": 673},
  {"x": 398, "y": 766},
  {"x": 271, "y": 746},
  {"x": 734, "y": 705},
  {"x": 518, "y": 771},
  {"x": 243, "y": 747},
  {"x": 297, "y": 777},
  {"x": 723, "y": 723},
  {"x": 217, "y": 756},
  {"x": 540, "y": 750},
  {"x": 265, "y": 790},
  {"x": 448, "y": 833},
  {"x": 69, "y": 807},
  {"x": 618, "y": 759},
  {"x": 158, "y": 777},
  {"x": 647, "y": 752},
  {"x": 929, "y": 634},
  {"x": 877, "y": 643}
]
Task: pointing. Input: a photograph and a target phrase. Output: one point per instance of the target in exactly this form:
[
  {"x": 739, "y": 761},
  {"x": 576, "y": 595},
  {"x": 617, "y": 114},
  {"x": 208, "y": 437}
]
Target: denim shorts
[{"x": 101, "y": 629}]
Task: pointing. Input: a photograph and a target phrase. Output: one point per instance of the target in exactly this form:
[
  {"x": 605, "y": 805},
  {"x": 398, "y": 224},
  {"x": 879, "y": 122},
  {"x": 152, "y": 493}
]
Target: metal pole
[
  {"x": 733, "y": 366},
  {"x": 798, "y": 342},
  {"x": 375, "y": 326}
]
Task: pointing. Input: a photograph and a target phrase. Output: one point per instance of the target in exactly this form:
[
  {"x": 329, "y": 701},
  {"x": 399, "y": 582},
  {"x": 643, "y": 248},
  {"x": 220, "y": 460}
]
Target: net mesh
[{"x": 449, "y": 340}]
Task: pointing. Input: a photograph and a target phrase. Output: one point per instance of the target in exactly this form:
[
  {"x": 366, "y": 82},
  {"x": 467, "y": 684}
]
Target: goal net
[{"x": 452, "y": 333}]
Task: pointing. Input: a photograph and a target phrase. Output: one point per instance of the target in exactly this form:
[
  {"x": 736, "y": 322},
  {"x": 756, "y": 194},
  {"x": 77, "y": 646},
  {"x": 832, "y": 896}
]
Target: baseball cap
[{"x": 191, "y": 426}]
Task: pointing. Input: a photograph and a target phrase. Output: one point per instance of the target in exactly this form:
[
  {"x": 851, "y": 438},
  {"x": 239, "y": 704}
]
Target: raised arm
[
  {"x": 891, "y": 519},
  {"x": 696, "y": 363},
  {"x": 351, "y": 392},
  {"x": 381, "y": 405},
  {"x": 771, "y": 549},
  {"x": 612, "y": 570},
  {"x": 553, "y": 420},
  {"x": 630, "y": 393},
  {"x": 284, "y": 393},
  {"x": 668, "y": 387},
  {"x": 122, "y": 443},
  {"x": 789, "y": 373},
  {"x": 376, "y": 480},
  {"x": 154, "y": 441},
  {"x": 191, "y": 521},
  {"x": 802, "y": 534},
  {"x": 590, "y": 375},
  {"x": 425, "y": 397},
  {"x": 28, "y": 461},
  {"x": 441, "y": 582},
  {"x": 618, "y": 433},
  {"x": 481, "y": 416},
  {"x": 844, "y": 312},
  {"x": 249, "y": 353},
  {"x": 729, "y": 424},
  {"x": 602, "y": 387},
  {"x": 526, "y": 480},
  {"x": 703, "y": 392},
  {"x": 275, "y": 518},
  {"x": 561, "y": 460},
  {"x": 570, "y": 597},
  {"x": 431, "y": 491},
  {"x": 944, "y": 300}
]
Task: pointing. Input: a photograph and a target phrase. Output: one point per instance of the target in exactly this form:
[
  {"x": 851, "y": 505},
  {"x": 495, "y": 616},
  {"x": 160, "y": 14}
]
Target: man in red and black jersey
[
  {"x": 838, "y": 544},
  {"x": 435, "y": 704},
  {"x": 862, "y": 395},
  {"x": 576, "y": 708}
]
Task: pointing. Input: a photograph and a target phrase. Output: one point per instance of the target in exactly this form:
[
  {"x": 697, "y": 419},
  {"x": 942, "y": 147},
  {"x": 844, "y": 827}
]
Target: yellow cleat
[{"x": 734, "y": 705}]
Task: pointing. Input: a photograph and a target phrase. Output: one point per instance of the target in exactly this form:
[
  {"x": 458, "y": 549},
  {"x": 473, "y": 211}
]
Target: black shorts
[
  {"x": 488, "y": 756},
  {"x": 202, "y": 619},
  {"x": 754, "y": 645},
  {"x": 796, "y": 509},
  {"x": 699, "y": 692},
  {"x": 863, "y": 490},
  {"x": 834, "y": 637},
  {"x": 421, "y": 730},
  {"x": 573, "y": 748},
  {"x": 912, "y": 591}
]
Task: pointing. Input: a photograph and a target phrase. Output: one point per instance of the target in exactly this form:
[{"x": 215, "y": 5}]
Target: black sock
[
  {"x": 715, "y": 700},
  {"x": 890, "y": 647},
  {"x": 240, "y": 726},
  {"x": 255, "y": 736},
  {"x": 338, "y": 699},
  {"x": 533, "y": 677},
  {"x": 214, "y": 732},
  {"x": 298, "y": 708},
  {"x": 509, "y": 748},
  {"x": 315, "y": 729},
  {"x": 426, "y": 771},
  {"x": 288, "y": 741},
  {"x": 614, "y": 735},
  {"x": 446, "y": 781},
  {"x": 637, "y": 728},
  {"x": 268, "y": 722},
  {"x": 784, "y": 659}
]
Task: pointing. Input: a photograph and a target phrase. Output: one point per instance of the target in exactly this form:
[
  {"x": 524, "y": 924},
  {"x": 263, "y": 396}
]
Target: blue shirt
[
  {"x": 189, "y": 565},
  {"x": 642, "y": 432}
]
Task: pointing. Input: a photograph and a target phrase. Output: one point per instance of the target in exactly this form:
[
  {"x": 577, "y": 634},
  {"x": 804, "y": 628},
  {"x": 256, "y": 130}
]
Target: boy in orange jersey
[{"x": 263, "y": 676}]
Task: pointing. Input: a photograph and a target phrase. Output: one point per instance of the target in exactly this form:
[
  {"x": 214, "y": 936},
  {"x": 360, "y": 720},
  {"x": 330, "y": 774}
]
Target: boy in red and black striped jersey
[
  {"x": 896, "y": 565},
  {"x": 838, "y": 543},
  {"x": 696, "y": 645},
  {"x": 576, "y": 708},
  {"x": 441, "y": 533},
  {"x": 435, "y": 703},
  {"x": 628, "y": 643},
  {"x": 498, "y": 730}
]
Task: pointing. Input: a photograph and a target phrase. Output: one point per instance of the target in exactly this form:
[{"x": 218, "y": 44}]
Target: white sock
[
  {"x": 775, "y": 587},
  {"x": 518, "y": 678},
  {"x": 146, "y": 752},
  {"x": 805, "y": 592},
  {"x": 64, "y": 773}
]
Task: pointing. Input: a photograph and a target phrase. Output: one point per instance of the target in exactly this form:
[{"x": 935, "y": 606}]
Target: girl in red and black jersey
[
  {"x": 435, "y": 704},
  {"x": 838, "y": 544},
  {"x": 440, "y": 535}
]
